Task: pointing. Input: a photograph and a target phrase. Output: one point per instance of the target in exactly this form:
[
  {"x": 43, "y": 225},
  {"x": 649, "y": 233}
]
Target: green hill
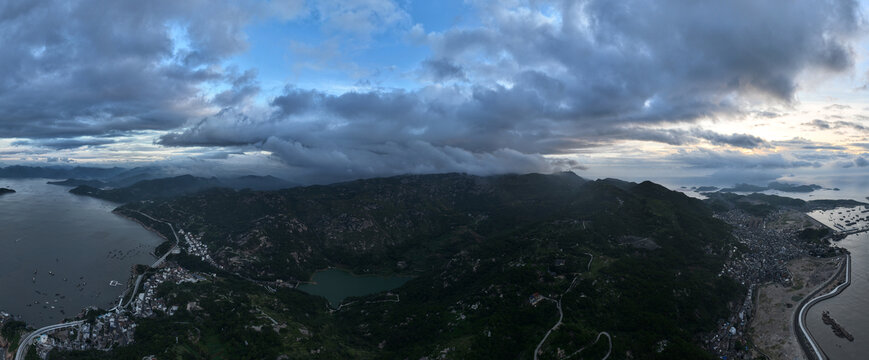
[{"x": 477, "y": 248}]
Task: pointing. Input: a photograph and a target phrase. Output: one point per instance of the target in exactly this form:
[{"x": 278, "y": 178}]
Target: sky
[{"x": 677, "y": 91}]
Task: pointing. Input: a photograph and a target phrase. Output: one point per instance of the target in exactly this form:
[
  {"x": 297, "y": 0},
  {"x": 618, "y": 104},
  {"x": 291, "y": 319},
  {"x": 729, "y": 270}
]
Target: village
[
  {"x": 147, "y": 304},
  {"x": 116, "y": 328},
  {"x": 766, "y": 245},
  {"x": 104, "y": 330},
  {"x": 193, "y": 245}
]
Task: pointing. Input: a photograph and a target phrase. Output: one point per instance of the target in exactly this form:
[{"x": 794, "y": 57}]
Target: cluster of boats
[
  {"x": 50, "y": 273},
  {"x": 845, "y": 220}
]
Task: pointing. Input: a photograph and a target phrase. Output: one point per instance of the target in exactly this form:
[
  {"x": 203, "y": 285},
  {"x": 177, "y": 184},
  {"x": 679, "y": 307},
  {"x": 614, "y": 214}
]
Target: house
[
  {"x": 559, "y": 262},
  {"x": 535, "y": 298}
]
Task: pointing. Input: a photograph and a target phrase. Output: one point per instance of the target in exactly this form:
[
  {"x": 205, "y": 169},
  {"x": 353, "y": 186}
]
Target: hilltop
[{"x": 162, "y": 188}]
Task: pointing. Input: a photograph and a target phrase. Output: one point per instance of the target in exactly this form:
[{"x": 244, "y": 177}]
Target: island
[{"x": 6, "y": 191}]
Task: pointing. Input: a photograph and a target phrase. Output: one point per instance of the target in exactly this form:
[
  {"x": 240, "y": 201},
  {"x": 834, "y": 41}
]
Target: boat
[{"x": 115, "y": 283}]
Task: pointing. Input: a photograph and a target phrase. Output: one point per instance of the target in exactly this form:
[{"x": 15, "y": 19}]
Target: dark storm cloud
[
  {"x": 832, "y": 125},
  {"x": 688, "y": 137},
  {"x": 708, "y": 159},
  {"x": 62, "y": 144},
  {"x": 244, "y": 87},
  {"x": 601, "y": 72},
  {"x": 87, "y": 67},
  {"x": 738, "y": 140},
  {"x": 806, "y": 144},
  {"x": 530, "y": 83},
  {"x": 859, "y": 161},
  {"x": 824, "y": 147},
  {"x": 685, "y": 58}
]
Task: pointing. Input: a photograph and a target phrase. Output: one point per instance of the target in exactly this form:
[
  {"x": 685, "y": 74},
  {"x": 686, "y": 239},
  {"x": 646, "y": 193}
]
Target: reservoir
[
  {"x": 58, "y": 251},
  {"x": 336, "y": 285}
]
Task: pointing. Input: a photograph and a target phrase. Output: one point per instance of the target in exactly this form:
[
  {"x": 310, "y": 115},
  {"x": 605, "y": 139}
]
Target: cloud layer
[{"x": 529, "y": 79}]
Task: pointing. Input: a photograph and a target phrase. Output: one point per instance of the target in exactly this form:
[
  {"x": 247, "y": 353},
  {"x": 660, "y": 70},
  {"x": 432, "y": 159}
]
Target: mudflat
[{"x": 771, "y": 327}]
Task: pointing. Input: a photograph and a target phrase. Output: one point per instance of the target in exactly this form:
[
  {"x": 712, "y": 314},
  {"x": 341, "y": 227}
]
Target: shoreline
[
  {"x": 132, "y": 271},
  {"x": 29, "y": 337},
  {"x": 804, "y": 337},
  {"x": 146, "y": 227},
  {"x": 771, "y": 327}
]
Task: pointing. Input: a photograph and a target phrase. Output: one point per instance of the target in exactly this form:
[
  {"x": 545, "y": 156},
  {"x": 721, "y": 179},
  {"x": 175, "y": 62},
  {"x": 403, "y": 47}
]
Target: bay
[{"x": 58, "y": 251}]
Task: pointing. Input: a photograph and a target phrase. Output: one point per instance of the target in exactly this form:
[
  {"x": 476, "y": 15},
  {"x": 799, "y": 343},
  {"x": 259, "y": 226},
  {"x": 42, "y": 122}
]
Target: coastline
[
  {"x": 132, "y": 271},
  {"x": 810, "y": 347},
  {"x": 771, "y": 327},
  {"x": 28, "y": 337},
  {"x": 155, "y": 231}
]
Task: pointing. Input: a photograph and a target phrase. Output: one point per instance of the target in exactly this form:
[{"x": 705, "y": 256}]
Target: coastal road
[
  {"x": 174, "y": 233},
  {"x": 812, "y": 349},
  {"x": 25, "y": 343},
  {"x": 135, "y": 289},
  {"x": 156, "y": 263}
]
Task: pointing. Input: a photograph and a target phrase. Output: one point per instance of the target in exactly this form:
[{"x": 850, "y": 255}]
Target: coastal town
[
  {"x": 766, "y": 245},
  {"x": 147, "y": 304},
  {"x": 104, "y": 330}
]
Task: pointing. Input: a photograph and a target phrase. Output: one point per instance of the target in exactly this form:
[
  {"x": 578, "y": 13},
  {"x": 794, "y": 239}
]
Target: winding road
[
  {"x": 602, "y": 333},
  {"x": 560, "y": 317}
]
